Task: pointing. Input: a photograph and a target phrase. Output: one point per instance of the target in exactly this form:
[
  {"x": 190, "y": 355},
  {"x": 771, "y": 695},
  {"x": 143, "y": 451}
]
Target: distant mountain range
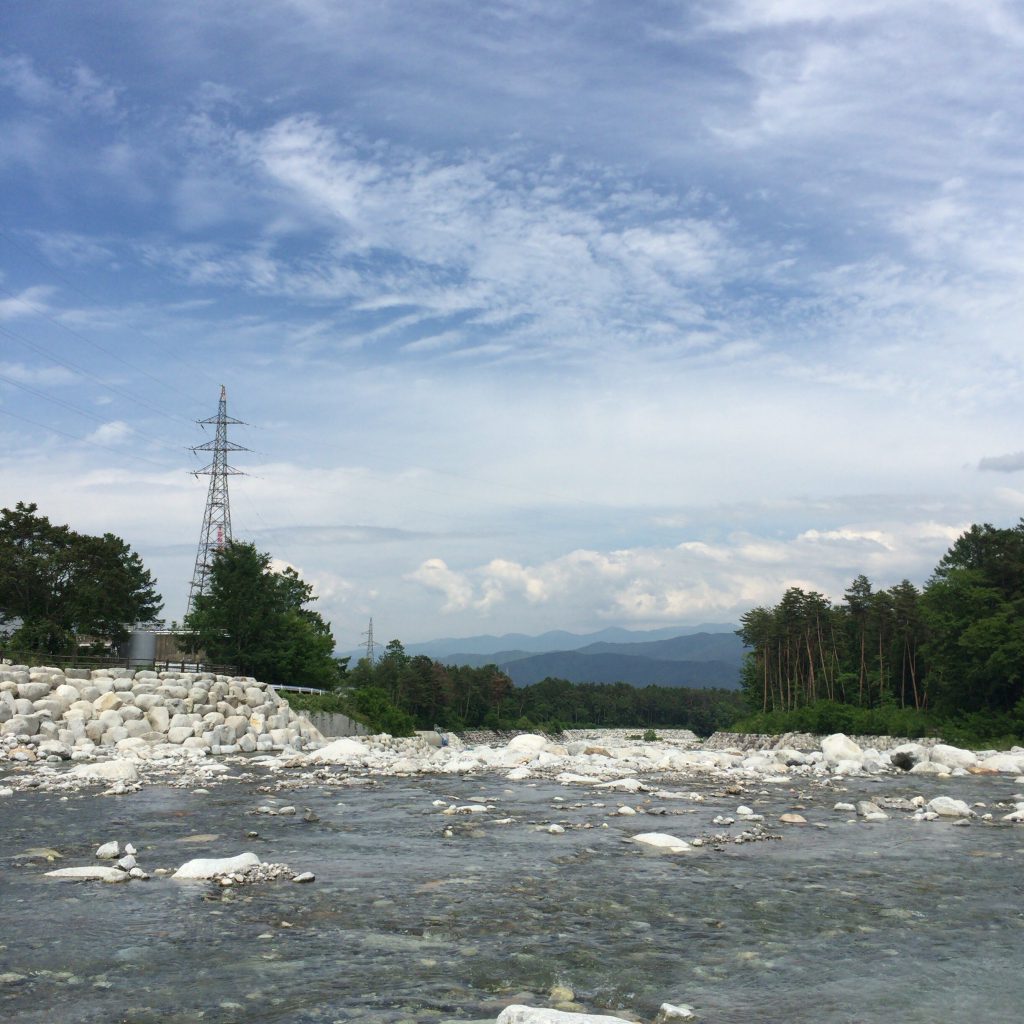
[{"x": 708, "y": 655}]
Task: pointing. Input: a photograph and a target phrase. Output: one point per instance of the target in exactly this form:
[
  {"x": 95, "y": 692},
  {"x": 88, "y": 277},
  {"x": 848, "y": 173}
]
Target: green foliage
[
  {"x": 62, "y": 586},
  {"x": 974, "y": 610},
  {"x": 455, "y": 697},
  {"x": 958, "y": 646},
  {"x": 257, "y": 619},
  {"x": 972, "y": 729},
  {"x": 649, "y": 736},
  {"x": 899, "y": 661},
  {"x": 374, "y": 705},
  {"x": 334, "y": 703}
]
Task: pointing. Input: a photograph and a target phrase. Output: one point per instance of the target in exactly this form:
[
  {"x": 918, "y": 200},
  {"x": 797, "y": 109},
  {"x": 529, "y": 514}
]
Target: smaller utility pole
[{"x": 370, "y": 645}]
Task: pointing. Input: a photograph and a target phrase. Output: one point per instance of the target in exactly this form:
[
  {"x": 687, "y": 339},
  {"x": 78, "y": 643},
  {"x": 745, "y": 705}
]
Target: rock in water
[
  {"x": 93, "y": 873},
  {"x": 108, "y": 851},
  {"x": 542, "y": 1015},
  {"x": 662, "y": 841},
  {"x": 947, "y": 807},
  {"x": 106, "y": 771},
  {"x": 211, "y": 867},
  {"x": 670, "y": 1013}
]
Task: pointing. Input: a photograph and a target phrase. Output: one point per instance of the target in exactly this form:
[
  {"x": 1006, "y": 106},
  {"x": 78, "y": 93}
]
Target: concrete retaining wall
[{"x": 333, "y": 725}]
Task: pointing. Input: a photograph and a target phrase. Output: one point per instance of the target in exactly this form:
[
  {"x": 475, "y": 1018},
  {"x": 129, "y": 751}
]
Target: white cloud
[
  {"x": 113, "y": 432},
  {"x": 42, "y": 375},
  {"x": 694, "y": 580},
  {"x": 30, "y": 302},
  {"x": 435, "y": 575},
  {"x": 80, "y": 90}
]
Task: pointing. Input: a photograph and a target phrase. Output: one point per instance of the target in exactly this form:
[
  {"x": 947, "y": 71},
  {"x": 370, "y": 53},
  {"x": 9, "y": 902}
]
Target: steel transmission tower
[
  {"x": 370, "y": 644},
  {"x": 216, "y": 531}
]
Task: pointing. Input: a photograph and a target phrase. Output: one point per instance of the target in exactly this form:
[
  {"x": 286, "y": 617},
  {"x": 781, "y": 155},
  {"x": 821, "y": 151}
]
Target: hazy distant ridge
[
  {"x": 555, "y": 640},
  {"x": 621, "y": 668},
  {"x": 673, "y": 656}
]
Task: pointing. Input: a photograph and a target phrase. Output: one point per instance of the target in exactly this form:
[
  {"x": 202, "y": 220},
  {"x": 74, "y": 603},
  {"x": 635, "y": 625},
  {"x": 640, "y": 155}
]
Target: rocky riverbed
[{"x": 806, "y": 879}]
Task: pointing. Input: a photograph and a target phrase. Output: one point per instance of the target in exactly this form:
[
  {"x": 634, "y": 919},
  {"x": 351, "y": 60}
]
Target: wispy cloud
[
  {"x": 113, "y": 432},
  {"x": 42, "y": 375},
  {"x": 81, "y": 89},
  {"x": 28, "y": 302}
]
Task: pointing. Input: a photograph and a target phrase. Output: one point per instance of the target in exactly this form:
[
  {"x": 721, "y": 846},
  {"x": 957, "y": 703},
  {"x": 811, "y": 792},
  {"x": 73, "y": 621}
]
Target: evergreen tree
[{"x": 257, "y": 620}]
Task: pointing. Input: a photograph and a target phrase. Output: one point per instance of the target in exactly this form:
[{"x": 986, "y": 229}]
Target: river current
[{"x": 892, "y": 921}]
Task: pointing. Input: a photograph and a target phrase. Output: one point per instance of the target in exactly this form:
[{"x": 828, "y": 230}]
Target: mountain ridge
[
  {"x": 552, "y": 640},
  {"x": 662, "y": 657}
]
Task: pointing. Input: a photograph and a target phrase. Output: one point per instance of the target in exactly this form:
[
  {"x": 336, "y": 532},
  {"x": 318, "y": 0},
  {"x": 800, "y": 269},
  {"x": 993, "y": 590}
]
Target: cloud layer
[{"x": 542, "y": 314}]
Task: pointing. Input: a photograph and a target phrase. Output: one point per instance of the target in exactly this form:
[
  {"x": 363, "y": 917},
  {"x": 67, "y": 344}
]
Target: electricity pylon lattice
[
  {"x": 370, "y": 644},
  {"x": 216, "y": 532}
]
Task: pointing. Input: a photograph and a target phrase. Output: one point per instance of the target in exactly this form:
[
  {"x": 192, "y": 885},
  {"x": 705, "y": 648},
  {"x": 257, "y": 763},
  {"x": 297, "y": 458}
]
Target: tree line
[
  {"x": 400, "y": 693},
  {"x": 953, "y": 648}
]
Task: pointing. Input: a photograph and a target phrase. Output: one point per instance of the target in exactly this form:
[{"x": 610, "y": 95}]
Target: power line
[
  {"x": 49, "y": 268},
  {"x": 75, "y": 409},
  {"x": 75, "y": 368},
  {"x": 82, "y": 440},
  {"x": 96, "y": 345}
]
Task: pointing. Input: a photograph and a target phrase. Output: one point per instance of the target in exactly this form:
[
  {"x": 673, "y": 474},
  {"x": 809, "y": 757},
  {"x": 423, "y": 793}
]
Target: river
[{"x": 894, "y": 921}]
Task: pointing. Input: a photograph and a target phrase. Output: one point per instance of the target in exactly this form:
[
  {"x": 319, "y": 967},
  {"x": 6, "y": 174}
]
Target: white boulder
[
  {"x": 212, "y": 867},
  {"x": 95, "y": 873},
  {"x": 670, "y": 1012},
  {"x": 528, "y": 743},
  {"x": 542, "y": 1015},
  {"x": 341, "y": 751},
  {"x": 953, "y": 756},
  {"x": 839, "y": 747},
  {"x": 662, "y": 841},
  {"x": 1013, "y": 763},
  {"x": 947, "y": 807},
  {"x": 106, "y": 771}
]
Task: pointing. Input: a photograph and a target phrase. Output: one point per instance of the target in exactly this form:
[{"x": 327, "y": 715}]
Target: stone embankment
[
  {"x": 76, "y": 712},
  {"x": 126, "y": 729}
]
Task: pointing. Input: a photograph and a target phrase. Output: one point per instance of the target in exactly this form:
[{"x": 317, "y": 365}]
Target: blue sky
[{"x": 543, "y": 315}]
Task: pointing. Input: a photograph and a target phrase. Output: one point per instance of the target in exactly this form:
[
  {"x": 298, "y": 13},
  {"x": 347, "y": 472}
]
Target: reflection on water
[{"x": 915, "y": 922}]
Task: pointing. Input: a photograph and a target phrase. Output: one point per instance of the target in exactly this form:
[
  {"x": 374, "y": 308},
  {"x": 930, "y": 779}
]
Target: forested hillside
[{"x": 952, "y": 650}]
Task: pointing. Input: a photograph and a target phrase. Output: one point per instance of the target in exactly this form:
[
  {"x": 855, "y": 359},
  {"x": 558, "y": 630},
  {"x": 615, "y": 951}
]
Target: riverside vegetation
[{"x": 947, "y": 660}]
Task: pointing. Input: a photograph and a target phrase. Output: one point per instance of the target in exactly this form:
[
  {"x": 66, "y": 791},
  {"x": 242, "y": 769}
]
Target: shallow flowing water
[{"x": 897, "y": 921}]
